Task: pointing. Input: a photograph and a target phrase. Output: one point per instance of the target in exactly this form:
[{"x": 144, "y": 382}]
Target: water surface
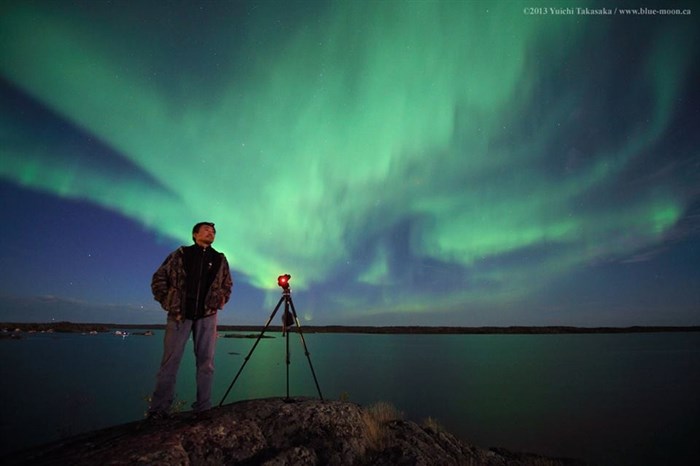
[{"x": 616, "y": 399}]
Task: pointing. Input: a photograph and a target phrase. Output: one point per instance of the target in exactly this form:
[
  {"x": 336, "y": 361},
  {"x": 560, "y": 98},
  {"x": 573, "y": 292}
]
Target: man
[{"x": 192, "y": 284}]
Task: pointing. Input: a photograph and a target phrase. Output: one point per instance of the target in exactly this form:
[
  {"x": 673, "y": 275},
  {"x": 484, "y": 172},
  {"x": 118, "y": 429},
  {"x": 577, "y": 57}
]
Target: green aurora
[{"x": 438, "y": 156}]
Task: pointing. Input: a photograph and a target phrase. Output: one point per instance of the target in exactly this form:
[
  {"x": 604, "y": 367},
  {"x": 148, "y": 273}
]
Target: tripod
[{"x": 289, "y": 319}]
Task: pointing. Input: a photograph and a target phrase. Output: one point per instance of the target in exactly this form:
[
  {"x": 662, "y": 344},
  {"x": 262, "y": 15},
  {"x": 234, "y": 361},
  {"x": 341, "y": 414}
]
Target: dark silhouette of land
[{"x": 412, "y": 330}]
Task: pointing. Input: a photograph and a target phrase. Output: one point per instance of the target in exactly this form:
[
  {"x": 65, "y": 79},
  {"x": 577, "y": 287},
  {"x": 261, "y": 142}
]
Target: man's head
[{"x": 203, "y": 233}]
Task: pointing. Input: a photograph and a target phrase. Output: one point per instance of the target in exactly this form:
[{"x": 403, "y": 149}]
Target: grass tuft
[
  {"x": 432, "y": 424},
  {"x": 375, "y": 418}
]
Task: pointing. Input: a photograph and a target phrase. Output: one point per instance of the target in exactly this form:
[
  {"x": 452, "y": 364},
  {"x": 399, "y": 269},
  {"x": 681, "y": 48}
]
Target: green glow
[
  {"x": 377, "y": 273},
  {"x": 370, "y": 115}
]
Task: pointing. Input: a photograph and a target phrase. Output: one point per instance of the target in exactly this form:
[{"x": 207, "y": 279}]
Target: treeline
[
  {"x": 444, "y": 330},
  {"x": 61, "y": 327},
  {"x": 418, "y": 330}
]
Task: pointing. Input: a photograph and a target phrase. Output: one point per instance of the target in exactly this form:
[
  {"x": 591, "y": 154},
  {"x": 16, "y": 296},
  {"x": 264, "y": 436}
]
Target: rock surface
[{"x": 271, "y": 432}]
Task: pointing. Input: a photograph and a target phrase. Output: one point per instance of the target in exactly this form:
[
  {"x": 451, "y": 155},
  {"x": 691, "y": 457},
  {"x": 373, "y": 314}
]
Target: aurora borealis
[{"x": 427, "y": 162}]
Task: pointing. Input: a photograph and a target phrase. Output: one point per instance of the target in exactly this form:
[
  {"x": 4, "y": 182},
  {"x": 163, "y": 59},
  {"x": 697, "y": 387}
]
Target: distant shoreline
[{"x": 72, "y": 327}]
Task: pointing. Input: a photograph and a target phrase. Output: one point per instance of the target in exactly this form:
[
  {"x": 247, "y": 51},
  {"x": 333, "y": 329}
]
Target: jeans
[{"x": 176, "y": 335}]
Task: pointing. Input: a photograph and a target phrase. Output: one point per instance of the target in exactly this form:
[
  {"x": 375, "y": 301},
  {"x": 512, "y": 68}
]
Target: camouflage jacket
[{"x": 168, "y": 286}]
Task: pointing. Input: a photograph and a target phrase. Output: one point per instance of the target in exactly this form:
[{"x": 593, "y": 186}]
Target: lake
[{"x": 609, "y": 399}]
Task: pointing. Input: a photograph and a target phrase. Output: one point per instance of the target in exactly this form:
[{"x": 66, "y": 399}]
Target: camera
[{"x": 283, "y": 281}]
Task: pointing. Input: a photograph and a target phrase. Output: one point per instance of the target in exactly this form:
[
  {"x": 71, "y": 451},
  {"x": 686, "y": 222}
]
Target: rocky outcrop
[{"x": 271, "y": 432}]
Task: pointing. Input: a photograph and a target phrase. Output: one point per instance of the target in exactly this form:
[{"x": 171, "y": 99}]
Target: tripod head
[{"x": 287, "y": 317}]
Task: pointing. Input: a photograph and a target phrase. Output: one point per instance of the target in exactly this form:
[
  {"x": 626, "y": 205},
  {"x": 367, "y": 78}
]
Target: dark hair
[{"x": 196, "y": 227}]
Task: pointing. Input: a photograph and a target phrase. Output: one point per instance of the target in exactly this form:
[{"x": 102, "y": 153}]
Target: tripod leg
[
  {"x": 252, "y": 349},
  {"x": 306, "y": 350},
  {"x": 287, "y": 360}
]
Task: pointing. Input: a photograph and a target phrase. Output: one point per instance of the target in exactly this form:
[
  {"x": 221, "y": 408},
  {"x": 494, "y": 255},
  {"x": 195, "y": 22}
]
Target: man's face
[{"x": 205, "y": 235}]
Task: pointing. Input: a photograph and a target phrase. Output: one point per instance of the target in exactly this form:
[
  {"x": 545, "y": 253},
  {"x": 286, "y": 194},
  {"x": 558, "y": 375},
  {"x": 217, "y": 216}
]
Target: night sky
[{"x": 407, "y": 162}]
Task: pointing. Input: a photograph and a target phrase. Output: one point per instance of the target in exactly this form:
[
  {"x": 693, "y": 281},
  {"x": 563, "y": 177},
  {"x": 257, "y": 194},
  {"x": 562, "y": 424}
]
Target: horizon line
[{"x": 379, "y": 329}]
